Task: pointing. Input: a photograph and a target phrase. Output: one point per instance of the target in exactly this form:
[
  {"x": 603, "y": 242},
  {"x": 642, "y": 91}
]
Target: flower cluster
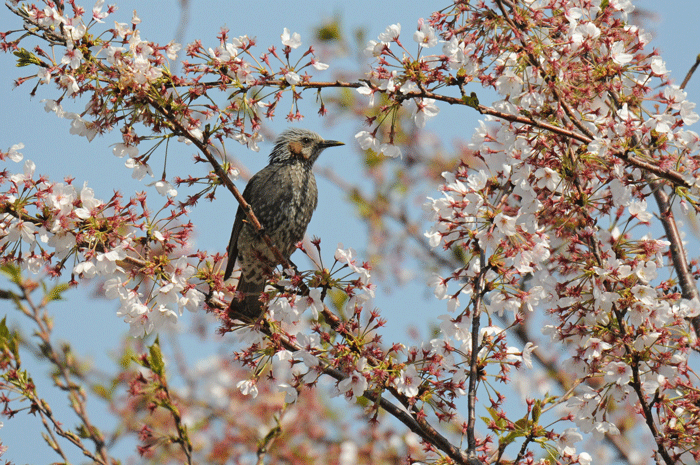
[
  {"x": 129, "y": 82},
  {"x": 291, "y": 312},
  {"x": 528, "y": 216},
  {"x": 58, "y": 227}
]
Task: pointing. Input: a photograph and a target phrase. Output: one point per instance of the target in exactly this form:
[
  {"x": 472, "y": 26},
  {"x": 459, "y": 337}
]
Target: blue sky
[{"x": 92, "y": 326}]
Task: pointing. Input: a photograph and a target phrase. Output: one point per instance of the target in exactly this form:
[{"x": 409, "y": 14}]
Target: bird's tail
[{"x": 246, "y": 301}]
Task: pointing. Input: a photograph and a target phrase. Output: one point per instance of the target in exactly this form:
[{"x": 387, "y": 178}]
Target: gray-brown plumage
[{"x": 283, "y": 197}]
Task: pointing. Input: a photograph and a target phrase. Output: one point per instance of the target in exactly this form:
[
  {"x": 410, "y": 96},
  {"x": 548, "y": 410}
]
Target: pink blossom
[
  {"x": 527, "y": 354},
  {"x": 120, "y": 150},
  {"x": 505, "y": 223},
  {"x": 44, "y": 75},
  {"x": 312, "y": 302},
  {"x": 374, "y": 48},
  {"x": 365, "y": 89},
  {"x": 390, "y": 150},
  {"x": 618, "y": 373},
  {"x": 164, "y": 188},
  {"x": 69, "y": 83},
  {"x": 72, "y": 57},
  {"x": 140, "y": 169},
  {"x": 425, "y": 109},
  {"x": 292, "y": 78},
  {"x": 27, "y": 173},
  {"x": 97, "y": 13},
  {"x": 290, "y": 393}
]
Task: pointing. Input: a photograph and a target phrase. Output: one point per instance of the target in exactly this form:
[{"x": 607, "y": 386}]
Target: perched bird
[{"x": 283, "y": 196}]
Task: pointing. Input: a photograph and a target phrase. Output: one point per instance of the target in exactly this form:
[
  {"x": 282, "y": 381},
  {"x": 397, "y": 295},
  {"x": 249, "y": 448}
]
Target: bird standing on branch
[{"x": 283, "y": 196}]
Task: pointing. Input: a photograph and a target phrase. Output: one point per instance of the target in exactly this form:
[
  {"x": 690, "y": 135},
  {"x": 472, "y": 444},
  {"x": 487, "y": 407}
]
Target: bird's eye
[{"x": 306, "y": 140}]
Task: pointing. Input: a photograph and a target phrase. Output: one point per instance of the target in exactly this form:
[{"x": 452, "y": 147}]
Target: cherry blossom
[
  {"x": 291, "y": 40},
  {"x": 355, "y": 384},
  {"x": 425, "y": 36},
  {"x": 408, "y": 382},
  {"x": 248, "y": 388},
  {"x": 292, "y": 77},
  {"x": 425, "y": 109},
  {"x": 14, "y": 153},
  {"x": 390, "y": 34}
]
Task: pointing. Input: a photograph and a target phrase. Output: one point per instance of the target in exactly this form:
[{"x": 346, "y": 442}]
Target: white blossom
[
  {"x": 619, "y": 55},
  {"x": 408, "y": 382},
  {"x": 425, "y": 36},
  {"x": 425, "y": 109},
  {"x": 248, "y": 388},
  {"x": 367, "y": 141},
  {"x": 14, "y": 153},
  {"x": 391, "y": 33},
  {"x": 292, "y": 78},
  {"x": 290, "y": 40}
]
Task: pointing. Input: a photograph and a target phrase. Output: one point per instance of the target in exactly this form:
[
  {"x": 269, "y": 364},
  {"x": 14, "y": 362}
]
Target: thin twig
[
  {"x": 691, "y": 71},
  {"x": 402, "y": 219},
  {"x": 33, "y": 311}
]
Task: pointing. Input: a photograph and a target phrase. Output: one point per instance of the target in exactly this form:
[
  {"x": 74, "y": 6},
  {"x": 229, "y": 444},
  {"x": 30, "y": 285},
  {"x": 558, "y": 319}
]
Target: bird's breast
[
  {"x": 303, "y": 196},
  {"x": 285, "y": 204}
]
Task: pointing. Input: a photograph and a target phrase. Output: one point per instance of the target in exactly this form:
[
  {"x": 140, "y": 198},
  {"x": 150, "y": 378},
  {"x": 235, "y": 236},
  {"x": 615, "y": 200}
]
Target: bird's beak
[{"x": 331, "y": 143}]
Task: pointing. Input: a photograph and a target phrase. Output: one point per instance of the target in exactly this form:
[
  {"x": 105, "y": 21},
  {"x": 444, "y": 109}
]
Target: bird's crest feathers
[{"x": 299, "y": 144}]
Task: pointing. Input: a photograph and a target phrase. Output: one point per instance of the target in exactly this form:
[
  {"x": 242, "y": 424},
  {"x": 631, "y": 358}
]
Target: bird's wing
[
  {"x": 233, "y": 242},
  {"x": 255, "y": 192}
]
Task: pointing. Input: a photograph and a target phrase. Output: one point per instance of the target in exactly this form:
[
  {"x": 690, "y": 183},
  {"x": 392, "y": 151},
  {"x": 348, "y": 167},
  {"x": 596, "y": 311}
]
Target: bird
[{"x": 283, "y": 197}]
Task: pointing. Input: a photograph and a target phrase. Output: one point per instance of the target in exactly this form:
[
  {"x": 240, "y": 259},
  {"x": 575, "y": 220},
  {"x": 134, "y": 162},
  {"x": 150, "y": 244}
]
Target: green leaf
[
  {"x": 9, "y": 340},
  {"x": 329, "y": 32},
  {"x": 493, "y": 413},
  {"x": 509, "y": 438},
  {"x": 13, "y": 272},
  {"x": 536, "y": 411},
  {"x": 128, "y": 356},
  {"x": 104, "y": 392},
  {"x": 500, "y": 421},
  {"x": 26, "y": 58},
  {"x": 156, "y": 358},
  {"x": 338, "y": 298},
  {"x": 55, "y": 292},
  {"x": 4, "y": 331},
  {"x": 52, "y": 444},
  {"x": 83, "y": 432}
]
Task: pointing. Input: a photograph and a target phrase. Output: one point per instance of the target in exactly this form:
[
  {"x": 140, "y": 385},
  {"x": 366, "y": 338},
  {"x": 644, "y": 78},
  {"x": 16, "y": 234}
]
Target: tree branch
[
  {"x": 678, "y": 256},
  {"x": 690, "y": 73},
  {"x": 474, "y": 361}
]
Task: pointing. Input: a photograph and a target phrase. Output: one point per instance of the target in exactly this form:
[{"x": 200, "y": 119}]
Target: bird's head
[{"x": 300, "y": 145}]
